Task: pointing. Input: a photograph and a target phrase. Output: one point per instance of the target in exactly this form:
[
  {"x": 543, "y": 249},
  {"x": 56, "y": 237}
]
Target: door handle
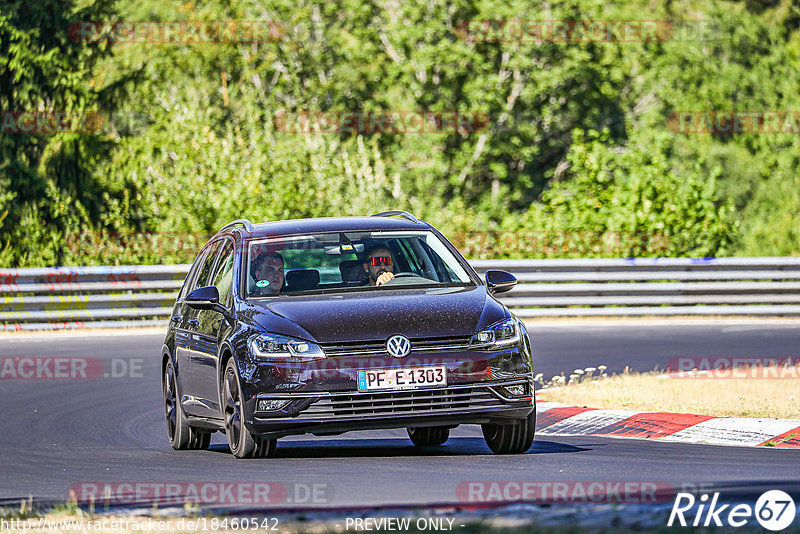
[
  {"x": 177, "y": 319},
  {"x": 194, "y": 322}
]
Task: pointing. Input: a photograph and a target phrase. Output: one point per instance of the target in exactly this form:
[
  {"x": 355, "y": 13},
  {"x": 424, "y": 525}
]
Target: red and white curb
[{"x": 554, "y": 418}]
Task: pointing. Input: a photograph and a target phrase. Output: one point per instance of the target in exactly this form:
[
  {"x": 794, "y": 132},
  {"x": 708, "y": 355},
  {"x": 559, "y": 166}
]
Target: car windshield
[{"x": 350, "y": 261}]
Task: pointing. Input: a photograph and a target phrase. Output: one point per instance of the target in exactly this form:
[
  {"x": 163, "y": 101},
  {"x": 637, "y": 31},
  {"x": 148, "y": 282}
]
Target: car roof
[{"x": 329, "y": 224}]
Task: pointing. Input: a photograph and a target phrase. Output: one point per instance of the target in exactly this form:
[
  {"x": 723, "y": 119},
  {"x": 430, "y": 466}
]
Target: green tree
[
  {"x": 208, "y": 147},
  {"x": 47, "y": 187},
  {"x": 626, "y": 200}
]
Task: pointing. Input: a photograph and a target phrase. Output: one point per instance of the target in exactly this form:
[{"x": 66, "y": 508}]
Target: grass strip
[{"x": 747, "y": 393}]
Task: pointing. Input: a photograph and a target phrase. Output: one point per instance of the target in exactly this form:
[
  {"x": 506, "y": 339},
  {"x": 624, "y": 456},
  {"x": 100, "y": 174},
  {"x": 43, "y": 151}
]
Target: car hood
[{"x": 376, "y": 315}]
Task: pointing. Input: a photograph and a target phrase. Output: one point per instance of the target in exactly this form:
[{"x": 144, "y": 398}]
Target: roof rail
[
  {"x": 393, "y": 213},
  {"x": 239, "y": 222}
]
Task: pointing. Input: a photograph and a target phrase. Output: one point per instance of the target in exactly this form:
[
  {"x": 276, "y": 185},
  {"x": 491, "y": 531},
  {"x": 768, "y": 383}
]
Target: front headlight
[
  {"x": 284, "y": 348},
  {"x": 499, "y": 335}
]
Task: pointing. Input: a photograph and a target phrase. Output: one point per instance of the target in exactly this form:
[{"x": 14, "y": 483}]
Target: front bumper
[
  {"x": 323, "y": 397},
  {"x": 335, "y": 412}
]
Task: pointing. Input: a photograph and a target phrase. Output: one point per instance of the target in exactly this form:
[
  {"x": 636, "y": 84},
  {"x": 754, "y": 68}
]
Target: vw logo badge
[{"x": 398, "y": 346}]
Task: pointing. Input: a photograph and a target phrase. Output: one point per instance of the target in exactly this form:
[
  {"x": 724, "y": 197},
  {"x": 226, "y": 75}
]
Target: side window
[
  {"x": 443, "y": 273},
  {"x": 223, "y": 274},
  {"x": 409, "y": 256},
  {"x": 188, "y": 284},
  {"x": 204, "y": 276}
]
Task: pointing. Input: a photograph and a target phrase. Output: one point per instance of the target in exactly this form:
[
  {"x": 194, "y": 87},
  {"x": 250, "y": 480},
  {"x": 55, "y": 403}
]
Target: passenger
[{"x": 267, "y": 269}]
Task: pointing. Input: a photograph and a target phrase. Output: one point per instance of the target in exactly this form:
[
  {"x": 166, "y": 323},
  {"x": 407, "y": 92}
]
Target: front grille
[
  {"x": 428, "y": 344},
  {"x": 400, "y": 403}
]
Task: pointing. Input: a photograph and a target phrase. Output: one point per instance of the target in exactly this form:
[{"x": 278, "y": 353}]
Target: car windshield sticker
[{"x": 262, "y": 283}]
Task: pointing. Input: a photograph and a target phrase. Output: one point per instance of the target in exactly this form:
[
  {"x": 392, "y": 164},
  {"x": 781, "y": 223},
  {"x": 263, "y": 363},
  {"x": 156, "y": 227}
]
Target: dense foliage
[{"x": 574, "y": 153}]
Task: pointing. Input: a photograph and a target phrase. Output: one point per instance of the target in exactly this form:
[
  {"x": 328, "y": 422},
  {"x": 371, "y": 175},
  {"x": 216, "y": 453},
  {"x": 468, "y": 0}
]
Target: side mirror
[
  {"x": 500, "y": 281},
  {"x": 204, "y": 298}
]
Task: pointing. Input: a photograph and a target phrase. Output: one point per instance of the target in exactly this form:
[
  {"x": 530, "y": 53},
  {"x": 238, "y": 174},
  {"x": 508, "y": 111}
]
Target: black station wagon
[{"x": 328, "y": 325}]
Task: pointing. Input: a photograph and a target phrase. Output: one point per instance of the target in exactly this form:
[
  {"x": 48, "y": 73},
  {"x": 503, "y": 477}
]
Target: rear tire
[
  {"x": 265, "y": 447},
  {"x": 243, "y": 444},
  {"x": 515, "y": 438},
  {"x": 428, "y": 436},
  {"x": 182, "y": 437}
]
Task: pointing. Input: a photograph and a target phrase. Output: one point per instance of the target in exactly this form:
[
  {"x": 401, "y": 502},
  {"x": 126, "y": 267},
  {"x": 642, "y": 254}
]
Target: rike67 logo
[{"x": 774, "y": 510}]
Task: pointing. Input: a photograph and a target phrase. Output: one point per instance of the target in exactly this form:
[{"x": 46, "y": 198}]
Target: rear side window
[
  {"x": 198, "y": 262},
  {"x": 204, "y": 276},
  {"x": 223, "y": 274}
]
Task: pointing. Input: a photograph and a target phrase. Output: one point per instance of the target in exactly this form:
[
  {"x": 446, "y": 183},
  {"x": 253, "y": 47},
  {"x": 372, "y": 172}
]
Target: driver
[{"x": 379, "y": 266}]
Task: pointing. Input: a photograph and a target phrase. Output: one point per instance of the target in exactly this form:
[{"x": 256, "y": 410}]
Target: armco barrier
[
  {"x": 79, "y": 297},
  {"x": 75, "y": 297},
  {"x": 652, "y": 286}
]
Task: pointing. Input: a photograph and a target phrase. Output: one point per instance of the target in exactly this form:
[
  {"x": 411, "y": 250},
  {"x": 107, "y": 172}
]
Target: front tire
[
  {"x": 182, "y": 437},
  {"x": 515, "y": 438},
  {"x": 429, "y": 436},
  {"x": 243, "y": 444}
]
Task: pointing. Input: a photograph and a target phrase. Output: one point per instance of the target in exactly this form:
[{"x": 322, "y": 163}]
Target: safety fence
[
  {"x": 652, "y": 286},
  {"x": 79, "y": 297}
]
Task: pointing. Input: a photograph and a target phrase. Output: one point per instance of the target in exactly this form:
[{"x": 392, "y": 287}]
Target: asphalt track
[{"x": 58, "y": 433}]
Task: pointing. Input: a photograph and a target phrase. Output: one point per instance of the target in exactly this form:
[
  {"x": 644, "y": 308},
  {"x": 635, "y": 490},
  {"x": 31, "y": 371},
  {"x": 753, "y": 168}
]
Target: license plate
[{"x": 405, "y": 378}]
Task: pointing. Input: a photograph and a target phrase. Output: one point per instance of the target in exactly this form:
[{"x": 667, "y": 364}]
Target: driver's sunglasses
[{"x": 380, "y": 260}]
